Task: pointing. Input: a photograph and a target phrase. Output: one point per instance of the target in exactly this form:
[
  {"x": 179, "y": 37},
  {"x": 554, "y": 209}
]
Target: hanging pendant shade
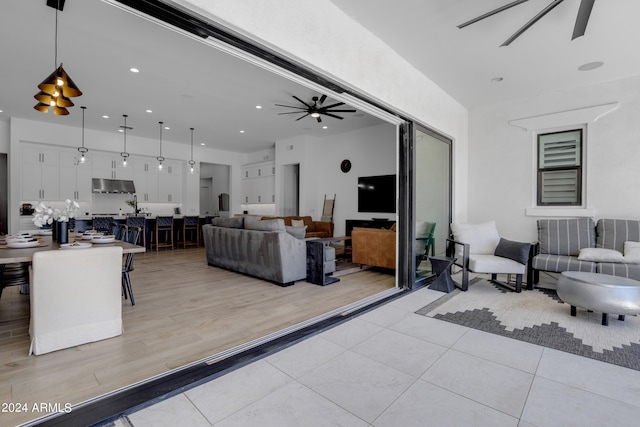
[
  {"x": 52, "y": 100},
  {"x": 59, "y": 80}
]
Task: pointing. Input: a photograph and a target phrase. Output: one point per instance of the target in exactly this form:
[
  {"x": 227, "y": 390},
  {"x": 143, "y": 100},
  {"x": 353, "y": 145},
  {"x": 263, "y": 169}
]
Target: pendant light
[
  {"x": 191, "y": 162},
  {"x": 124, "y": 153},
  {"x": 82, "y": 149},
  {"x": 56, "y": 89},
  {"x": 160, "y": 158}
]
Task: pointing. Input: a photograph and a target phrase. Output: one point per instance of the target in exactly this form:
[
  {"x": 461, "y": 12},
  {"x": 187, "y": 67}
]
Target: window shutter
[
  {"x": 560, "y": 168},
  {"x": 560, "y": 150},
  {"x": 560, "y": 187}
]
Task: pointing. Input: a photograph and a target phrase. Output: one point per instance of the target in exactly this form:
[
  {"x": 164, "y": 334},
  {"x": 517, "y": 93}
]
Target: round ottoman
[{"x": 601, "y": 293}]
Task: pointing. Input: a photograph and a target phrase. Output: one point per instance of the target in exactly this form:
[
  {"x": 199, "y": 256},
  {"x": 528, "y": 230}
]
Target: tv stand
[{"x": 366, "y": 223}]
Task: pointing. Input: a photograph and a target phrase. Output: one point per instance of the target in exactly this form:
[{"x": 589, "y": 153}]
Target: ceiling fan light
[{"x": 315, "y": 114}]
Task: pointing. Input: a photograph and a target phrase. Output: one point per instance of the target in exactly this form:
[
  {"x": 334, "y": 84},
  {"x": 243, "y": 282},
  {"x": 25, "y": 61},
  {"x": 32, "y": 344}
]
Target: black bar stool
[
  {"x": 190, "y": 233},
  {"x": 163, "y": 233}
]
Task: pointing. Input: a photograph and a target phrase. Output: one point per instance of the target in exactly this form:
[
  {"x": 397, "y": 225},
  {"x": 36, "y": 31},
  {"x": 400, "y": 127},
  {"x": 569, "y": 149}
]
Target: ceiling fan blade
[
  {"x": 493, "y": 12},
  {"x": 337, "y": 104},
  {"x": 333, "y": 115},
  {"x": 290, "y": 106},
  {"x": 533, "y": 20},
  {"x": 584, "y": 12},
  {"x": 299, "y": 118},
  {"x": 291, "y": 112},
  {"x": 339, "y": 111},
  {"x": 301, "y": 101}
]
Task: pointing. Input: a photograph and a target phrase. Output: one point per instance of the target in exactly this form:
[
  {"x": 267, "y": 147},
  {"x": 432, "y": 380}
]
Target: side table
[
  {"x": 443, "y": 282},
  {"x": 316, "y": 260}
]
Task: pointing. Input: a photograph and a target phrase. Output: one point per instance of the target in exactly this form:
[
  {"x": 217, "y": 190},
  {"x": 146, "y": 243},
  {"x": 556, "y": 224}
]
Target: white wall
[
  {"x": 372, "y": 151},
  {"x": 347, "y": 52},
  {"x": 502, "y": 173}
]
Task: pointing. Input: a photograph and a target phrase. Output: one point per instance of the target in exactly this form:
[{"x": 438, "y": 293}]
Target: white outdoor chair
[{"x": 480, "y": 249}]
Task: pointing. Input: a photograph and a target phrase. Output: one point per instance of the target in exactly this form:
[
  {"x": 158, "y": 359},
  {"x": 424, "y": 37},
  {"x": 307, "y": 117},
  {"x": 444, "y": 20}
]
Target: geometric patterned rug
[{"x": 540, "y": 317}]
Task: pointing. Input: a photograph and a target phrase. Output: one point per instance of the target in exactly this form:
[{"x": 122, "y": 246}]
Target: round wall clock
[{"x": 345, "y": 166}]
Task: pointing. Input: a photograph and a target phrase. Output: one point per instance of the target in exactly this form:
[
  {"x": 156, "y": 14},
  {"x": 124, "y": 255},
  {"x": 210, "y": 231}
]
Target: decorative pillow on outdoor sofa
[
  {"x": 266, "y": 225},
  {"x": 632, "y": 252},
  {"x": 233, "y": 222},
  {"x": 516, "y": 251},
  {"x": 297, "y": 232},
  {"x": 297, "y": 223},
  {"x": 600, "y": 255}
]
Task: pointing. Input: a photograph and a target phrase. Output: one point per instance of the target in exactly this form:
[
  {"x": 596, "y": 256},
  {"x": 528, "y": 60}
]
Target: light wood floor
[{"x": 185, "y": 311}]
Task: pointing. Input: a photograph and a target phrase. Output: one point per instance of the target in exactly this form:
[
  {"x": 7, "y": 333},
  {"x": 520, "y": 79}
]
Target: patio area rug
[{"x": 540, "y": 317}]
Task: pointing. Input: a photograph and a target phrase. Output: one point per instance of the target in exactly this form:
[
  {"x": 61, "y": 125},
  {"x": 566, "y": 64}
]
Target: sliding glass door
[{"x": 432, "y": 198}]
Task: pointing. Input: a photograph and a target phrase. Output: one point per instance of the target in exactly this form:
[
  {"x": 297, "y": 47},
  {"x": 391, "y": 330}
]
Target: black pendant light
[
  {"x": 56, "y": 89},
  {"x": 83, "y": 150},
  {"x": 160, "y": 159},
  {"x": 124, "y": 153},
  {"x": 192, "y": 163}
]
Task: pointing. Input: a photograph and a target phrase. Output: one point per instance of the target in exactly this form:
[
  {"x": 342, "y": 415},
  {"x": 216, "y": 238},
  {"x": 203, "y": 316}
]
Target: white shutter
[
  {"x": 560, "y": 168},
  {"x": 560, "y": 187},
  {"x": 559, "y": 150}
]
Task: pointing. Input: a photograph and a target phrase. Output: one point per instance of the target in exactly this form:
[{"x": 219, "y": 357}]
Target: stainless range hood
[{"x": 102, "y": 185}]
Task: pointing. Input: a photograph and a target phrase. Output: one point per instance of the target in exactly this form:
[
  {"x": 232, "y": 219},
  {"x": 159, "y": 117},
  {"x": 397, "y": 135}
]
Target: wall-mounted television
[{"x": 377, "y": 194}]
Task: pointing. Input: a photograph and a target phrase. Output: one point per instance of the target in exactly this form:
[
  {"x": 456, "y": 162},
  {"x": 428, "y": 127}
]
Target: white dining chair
[{"x": 75, "y": 297}]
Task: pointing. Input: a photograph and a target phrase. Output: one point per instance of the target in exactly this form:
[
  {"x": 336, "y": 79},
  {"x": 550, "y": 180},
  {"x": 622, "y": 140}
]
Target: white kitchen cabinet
[
  {"x": 75, "y": 177},
  {"x": 158, "y": 186},
  {"x": 258, "y": 183},
  {"x": 170, "y": 182},
  {"x": 40, "y": 172},
  {"x": 110, "y": 166}
]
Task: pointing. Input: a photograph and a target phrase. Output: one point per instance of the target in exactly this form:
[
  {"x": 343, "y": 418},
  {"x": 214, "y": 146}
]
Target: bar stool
[
  {"x": 138, "y": 221},
  {"x": 190, "y": 233},
  {"x": 164, "y": 228},
  {"x": 102, "y": 224},
  {"x": 131, "y": 236}
]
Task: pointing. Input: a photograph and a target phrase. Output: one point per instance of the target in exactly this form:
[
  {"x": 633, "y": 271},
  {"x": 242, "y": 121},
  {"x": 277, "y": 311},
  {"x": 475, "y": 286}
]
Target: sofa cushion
[
  {"x": 566, "y": 236},
  {"x": 600, "y": 255},
  {"x": 612, "y": 233},
  {"x": 297, "y": 223},
  {"x": 297, "y": 232},
  {"x": 631, "y": 271},
  {"x": 516, "y": 251},
  {"x": 266, "y": 225},
  {"x": 233, "y": 222},
  {"x": 482, "y": 238},
  {"x": 560, "y": 263},
  {"x": 632, "y": 252},
  {"x": 482, "y": 263}
]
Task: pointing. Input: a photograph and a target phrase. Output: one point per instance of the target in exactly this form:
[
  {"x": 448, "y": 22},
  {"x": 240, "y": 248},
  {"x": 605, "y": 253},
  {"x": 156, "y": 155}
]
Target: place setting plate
[
  {"x": 76, "y": 245},
  {"x": 108, "y": 238},
  {"x": 16, "y": 244}
]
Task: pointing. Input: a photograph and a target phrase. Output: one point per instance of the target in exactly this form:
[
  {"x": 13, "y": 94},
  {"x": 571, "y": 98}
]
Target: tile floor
[{"x": 391, "y": 367}]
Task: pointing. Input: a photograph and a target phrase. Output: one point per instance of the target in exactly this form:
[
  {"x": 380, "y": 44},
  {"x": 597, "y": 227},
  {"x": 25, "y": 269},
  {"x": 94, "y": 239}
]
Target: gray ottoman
[{"x": 601, "y": 293}]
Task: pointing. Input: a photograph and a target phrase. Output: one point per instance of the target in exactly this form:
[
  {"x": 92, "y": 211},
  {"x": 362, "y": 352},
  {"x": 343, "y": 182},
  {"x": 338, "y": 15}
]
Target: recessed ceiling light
[
  {"x": 202, "y": 143},
  {"x": 149, "y": 111},
  {"x": 497, "y": 79},
  {"x": 241, "y": 131},
  {"x": 134, "y": 70},
  {"x": 325, "y": 127},
  {"x": 167, "y": 128},
  {"x": 105, "y": 117},
  {"x": 258, "y": 107},
  {"x": 1, "y": 111},
  {"x": 120, "y": 130},
  {"x": 591, "y": 66}
]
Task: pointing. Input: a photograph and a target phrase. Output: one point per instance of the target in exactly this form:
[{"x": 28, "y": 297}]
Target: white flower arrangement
[{"x": 45, "y": 215}]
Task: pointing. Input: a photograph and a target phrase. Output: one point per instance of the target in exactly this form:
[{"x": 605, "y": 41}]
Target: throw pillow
[
  {"x": 516, "y": 251},
  {"x": 482, "y": 238},
  {"x": 233, "y": 222},
  {"x": 632, "y": 252},
  {"x": 600, "y": 255},
  {"x": 297, "y": 232},
  {"x": 266, "y": 225},
  {"x": 297, "y": 223}
]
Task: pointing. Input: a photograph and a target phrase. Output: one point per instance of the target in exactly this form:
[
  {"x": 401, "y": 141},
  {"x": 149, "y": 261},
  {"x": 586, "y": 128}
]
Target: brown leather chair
[{"x": 374, "y": 246}]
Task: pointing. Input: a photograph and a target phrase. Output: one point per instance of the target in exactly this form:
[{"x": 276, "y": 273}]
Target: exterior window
[{"x": 560, "y": 168}]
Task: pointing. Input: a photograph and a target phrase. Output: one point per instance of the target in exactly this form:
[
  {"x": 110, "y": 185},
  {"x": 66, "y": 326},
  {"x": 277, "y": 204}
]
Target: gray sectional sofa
[
  {"x": 580, "y": 244},
  {"x": 264, "y": 249}
]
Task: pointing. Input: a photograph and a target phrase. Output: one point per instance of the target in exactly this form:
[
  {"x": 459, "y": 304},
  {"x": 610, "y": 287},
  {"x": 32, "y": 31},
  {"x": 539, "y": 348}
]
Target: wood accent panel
[{"x": 185, "y": 311}]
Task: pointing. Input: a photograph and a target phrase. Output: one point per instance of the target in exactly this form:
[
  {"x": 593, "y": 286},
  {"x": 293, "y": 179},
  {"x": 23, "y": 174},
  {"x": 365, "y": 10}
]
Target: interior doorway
[
  {"x": 214, "y": 181},
  {"x": 291, "y": 190}
]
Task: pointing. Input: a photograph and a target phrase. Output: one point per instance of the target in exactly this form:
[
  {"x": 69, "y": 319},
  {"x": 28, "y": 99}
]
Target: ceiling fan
[
  {"x": 316, "y": 108},
  {"x": 578, "y": 30}
]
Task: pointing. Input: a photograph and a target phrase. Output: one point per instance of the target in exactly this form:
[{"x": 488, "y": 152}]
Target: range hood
[{"x": 102, "y": 185}]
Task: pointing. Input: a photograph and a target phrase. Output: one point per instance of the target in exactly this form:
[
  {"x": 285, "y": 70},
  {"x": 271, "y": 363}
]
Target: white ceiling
[
  {"x": 190, "y": 84},
  {"x": 543, "y": 59},
  {"x": 185, "y": 82}
]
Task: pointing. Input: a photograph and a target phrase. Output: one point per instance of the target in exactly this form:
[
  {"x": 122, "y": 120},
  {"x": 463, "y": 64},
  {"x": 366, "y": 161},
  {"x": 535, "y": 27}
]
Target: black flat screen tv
[{"x": 377, "y": 194}]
